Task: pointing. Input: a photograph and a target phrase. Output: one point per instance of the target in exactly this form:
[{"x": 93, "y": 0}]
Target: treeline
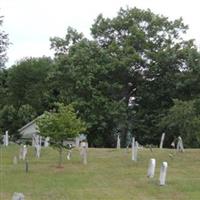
[{"x": 136, "y": 76}]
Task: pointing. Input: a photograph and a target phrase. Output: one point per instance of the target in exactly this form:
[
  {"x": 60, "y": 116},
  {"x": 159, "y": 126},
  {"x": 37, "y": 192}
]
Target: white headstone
[
  {"x": 180, "y": 147},
  {"x": 46, "y": 142},
  {"x": 69, "y": 154},
  {"x": 21, "y": 153},
  {"x": 132, "y": 148},
  {"x": 24, "y": 152},
  {"x": 162, "y": 140},
  {"x": 163, "y": 173},
  {"x": 38, "y": 150},
  {"x": 6, "y": 139},
  {"x": 118, "y": 142},
  {"x": 136, "y": 151},
  {"x": 77, "y": 142},
  {"x": 18, "y": 196},
  {"x": 151, "y": 168},
  {"x": 83, "y": 153}
]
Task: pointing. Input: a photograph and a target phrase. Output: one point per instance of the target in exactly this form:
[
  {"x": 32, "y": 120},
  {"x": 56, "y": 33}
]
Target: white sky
[{"x": 30, "y": 23}]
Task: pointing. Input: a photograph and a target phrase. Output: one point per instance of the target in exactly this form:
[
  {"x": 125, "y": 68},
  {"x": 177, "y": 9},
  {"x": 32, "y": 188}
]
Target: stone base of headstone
[{"x": 18, "y": 196}]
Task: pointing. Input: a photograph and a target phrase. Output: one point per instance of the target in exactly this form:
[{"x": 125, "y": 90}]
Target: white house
[{"x": 30, "y": 130}]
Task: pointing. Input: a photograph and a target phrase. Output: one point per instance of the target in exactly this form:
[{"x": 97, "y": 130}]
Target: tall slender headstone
[
  {"x": 38, "y": 150},
  {"x": 77, "y": 142},
  {"x": 6, "y": 139},
  {"x": 180, "y": 147},
  {"x": 24, "y": 152},
  {"x": 163, "y": 173},
  {"x": 118, "y": 142},
  {"x": 151, "y": 168},
  {"x": 84, "y": 146},
  {"x": 136, "y": 151},
  {"x": 132, "y": 148},
  {"x": 162, "y": 140},
  {"x": 21, "y": 152}
]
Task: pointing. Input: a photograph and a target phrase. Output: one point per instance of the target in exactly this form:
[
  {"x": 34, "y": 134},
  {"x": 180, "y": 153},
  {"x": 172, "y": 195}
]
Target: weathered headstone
[
  {"x": 163, "y": 173},
  {"x": 180, "y": 147},
  {"x": 84, "y": 147},
  {"x": 77, "y": 142},
  {"x": 132, "y": 148},
  {"x": 24, "y": 152},
  {"x": 15, "y": 161},
  {"x": 6, "y": 139},
  {"x": 18, "y": 196},
  {"x": 69, "y": 154},
  {"x": 21, "y": 152},
  {"x": 46, "y": 142},
  {"x": 136, "y": 151},
  {"x": 151, "y": 168},
  {"x": 38, "y": 150},
  {"x": 118, "y": 142},
  {"x": 162, "y": 140}
]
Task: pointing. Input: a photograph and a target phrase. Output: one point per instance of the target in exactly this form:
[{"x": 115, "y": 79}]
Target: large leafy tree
[
  {"x": 27, "y": 83},
  {"x": 60, "y": 125},
  {"x": 183, "y": 119},
  {"x": 125, "y": 78},
  {"x": 4, "y": 42},
  {"x": 150, "y": 52}
]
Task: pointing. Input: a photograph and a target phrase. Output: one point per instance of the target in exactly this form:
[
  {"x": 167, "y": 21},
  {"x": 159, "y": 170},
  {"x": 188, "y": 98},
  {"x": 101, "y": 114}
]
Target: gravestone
[
  {"x": 136, "y": 151},
  {"x": 162, "y": 140},
  {"x": 180, "y": 147},
  {"x": 83, "y": 153},
  {"x": 132, "y": 148},
  {"x": 6, "y": 139},
  {"x": 18, "y": 196},
  {"x": 38, "y": 150},
  {"x": 69, "y": 152},
  {"x": 118, "y": 142},
  {"x": 46, "y": 142},
  {"x": 24, "y": 152},
  {"x": 15, "y": 161},
  {"x": 21, "y": 152},
  {"x": 151, "y": 168},
  {"x": 163, "y": 173},
  {"x": 77, "y": 142}
]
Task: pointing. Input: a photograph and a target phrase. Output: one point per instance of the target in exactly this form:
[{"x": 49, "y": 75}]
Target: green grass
[{"x": 109, "y": 175}]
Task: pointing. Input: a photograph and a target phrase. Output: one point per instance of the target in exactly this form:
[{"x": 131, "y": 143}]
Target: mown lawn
[{"x": 109, "y": 175}]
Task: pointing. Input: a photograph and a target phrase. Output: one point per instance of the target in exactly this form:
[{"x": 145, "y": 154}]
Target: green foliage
[
  {"x": 27, "y": 83},
  {"x": 4, "y": 42},
  {"x": 60, "y": 125},
  {"x": 183, "y": 119}
]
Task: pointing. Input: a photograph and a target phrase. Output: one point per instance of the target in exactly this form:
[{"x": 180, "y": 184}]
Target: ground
[{"x": 109, "y": 175}]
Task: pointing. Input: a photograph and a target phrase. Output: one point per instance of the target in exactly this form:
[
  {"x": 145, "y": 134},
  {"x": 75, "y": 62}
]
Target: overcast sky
[{"x": 30, "y": 23}]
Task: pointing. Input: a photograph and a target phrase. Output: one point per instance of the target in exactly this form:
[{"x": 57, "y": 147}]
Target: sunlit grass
[{"x": 110, "y": 174}]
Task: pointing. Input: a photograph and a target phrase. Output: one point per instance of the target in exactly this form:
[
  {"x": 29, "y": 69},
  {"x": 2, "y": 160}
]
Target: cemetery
[
  {"x": 104, "y": 174},
  {"x": 110, "y": 116}
]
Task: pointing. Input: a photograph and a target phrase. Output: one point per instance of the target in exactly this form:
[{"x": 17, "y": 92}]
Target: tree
[
  {"x": 125, "y": 78},
  {"x": 27, "y": 83},
  {"x": 183, "y": 119},
  {"x": 60, "y": 125},
  {"x": 4, "y": 42}
]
